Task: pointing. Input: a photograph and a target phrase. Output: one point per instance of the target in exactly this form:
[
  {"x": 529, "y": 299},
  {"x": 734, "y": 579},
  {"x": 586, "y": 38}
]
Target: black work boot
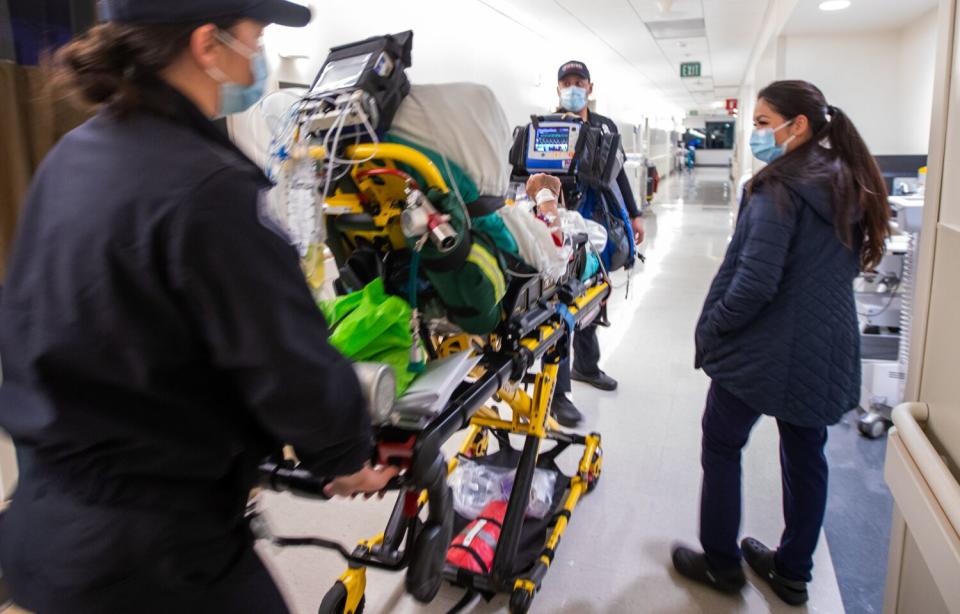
[
  {"x": 565, "y": 411},
  {"x": 600, "y": 380},
  {"x": 693, "y": 565},
  {"x": 761, "y": 560}
]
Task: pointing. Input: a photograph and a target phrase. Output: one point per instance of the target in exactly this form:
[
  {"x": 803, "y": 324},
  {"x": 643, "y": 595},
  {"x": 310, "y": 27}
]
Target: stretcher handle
[
  {"x": 360, "y": 557},
  {"x": 288, "y": 477}
]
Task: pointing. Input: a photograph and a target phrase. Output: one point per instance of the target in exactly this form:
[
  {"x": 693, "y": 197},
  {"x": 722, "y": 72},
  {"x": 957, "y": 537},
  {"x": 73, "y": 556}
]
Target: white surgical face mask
[
  {"x": 235, "y": 98},
  {"x": 763, "y": 143},
  {"x": 573, "y": 98}
]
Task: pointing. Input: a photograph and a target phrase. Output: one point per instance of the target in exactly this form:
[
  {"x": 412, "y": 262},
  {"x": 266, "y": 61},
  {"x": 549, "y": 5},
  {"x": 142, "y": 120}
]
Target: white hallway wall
[
  {"x": 883, "y": 80},
  {"x": 917, "y": 70},
  {"x": 858, "y": 73}
]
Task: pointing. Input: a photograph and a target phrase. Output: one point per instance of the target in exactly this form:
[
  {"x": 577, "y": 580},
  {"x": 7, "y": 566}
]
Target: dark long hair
[
  {"x": 838, "y": 154},
  {"x": 114, "y": 64}
]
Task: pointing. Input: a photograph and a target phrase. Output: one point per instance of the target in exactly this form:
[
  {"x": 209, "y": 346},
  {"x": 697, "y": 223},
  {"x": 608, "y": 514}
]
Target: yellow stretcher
[{"x": 536, "y": 330}]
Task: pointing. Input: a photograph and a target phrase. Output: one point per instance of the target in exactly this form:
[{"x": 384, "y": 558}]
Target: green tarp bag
[{"x": 372, "y": 326}]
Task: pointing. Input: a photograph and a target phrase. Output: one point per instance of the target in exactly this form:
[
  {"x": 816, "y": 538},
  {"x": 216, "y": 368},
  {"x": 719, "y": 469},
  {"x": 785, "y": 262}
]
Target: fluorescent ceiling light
[
  {"x": 665, "y": 6},
  {"x": 677, "y": 28},
  {"x": 834, "y": 5}
]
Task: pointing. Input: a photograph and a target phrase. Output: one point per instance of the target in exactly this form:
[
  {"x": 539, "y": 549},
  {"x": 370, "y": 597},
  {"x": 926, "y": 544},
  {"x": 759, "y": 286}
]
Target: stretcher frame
[{"x": 539, "y": 333}]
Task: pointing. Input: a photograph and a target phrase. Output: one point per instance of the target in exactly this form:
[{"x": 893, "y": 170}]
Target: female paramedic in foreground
[
  {"x": 778, "y": 334},
  {"x": 158, "y": 340}
]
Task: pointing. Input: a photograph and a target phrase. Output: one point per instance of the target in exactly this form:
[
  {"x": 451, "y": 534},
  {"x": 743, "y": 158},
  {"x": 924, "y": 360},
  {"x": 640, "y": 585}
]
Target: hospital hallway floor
[{"x": 615, "y": 556}]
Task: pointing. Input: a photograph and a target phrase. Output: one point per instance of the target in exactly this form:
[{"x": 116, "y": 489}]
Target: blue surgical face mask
[
  {"x": 764, "y": 146},
  {"x": 573, "y": 98},
  {"x": 235, "y": 98}
]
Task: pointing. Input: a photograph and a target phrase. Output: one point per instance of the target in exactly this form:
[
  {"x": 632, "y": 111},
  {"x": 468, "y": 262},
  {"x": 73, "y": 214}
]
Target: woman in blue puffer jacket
[{"x": 778, "y": 334}]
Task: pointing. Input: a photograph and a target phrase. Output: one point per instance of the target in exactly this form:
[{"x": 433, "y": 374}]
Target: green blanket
[{"x": 372, "y": 326}]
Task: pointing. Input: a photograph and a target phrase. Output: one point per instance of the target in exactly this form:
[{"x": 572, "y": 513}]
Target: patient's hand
[
  {"x": 540, "y": 181},
  {"x": 638, "y": 232},
  {"x": 368, "y": 481},
  {"x": 549, "y": 211}
]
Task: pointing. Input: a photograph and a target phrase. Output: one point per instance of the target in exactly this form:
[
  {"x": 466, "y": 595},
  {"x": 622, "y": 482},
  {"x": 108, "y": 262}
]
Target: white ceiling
[
  {"x": 732, "y": 27},
  {"x": 862, "y": 16},
  {"x": 615, "y": 32}
]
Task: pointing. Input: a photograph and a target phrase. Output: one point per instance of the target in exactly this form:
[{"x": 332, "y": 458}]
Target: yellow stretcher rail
[
  {"x": 546, "y": 330},
  {"x": 395, "y": 152}
]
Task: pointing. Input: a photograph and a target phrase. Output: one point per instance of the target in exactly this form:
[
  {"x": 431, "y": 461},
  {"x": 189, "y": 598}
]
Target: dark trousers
[
  {"x": 727, "y": 423},
  {"x": 586, "y": 358},
  {"x": 61, "y": 555}
]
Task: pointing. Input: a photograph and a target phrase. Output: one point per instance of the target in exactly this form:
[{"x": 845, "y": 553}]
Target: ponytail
[
  {"x": 863, "y": 178},
  {"x": 837, "y": 153}
]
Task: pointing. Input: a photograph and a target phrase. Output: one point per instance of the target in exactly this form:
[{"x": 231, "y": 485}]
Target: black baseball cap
[
  {"x": 573, "y": 67},
  {"x": 280, "y": 12}
]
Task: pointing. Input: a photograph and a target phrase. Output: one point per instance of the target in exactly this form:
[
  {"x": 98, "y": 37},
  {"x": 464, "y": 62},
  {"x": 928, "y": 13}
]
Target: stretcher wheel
[
  {"x": 872, "y": 426},
  {"x": 596, "y": 469},
  {"x": 335, "y": 601},
  {"x": 520, "y": 601},
  {"x": 425, "y": 574}
]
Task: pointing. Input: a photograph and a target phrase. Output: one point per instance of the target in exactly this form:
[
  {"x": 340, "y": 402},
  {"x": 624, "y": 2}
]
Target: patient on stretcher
[{"x": 462, "y": 129}]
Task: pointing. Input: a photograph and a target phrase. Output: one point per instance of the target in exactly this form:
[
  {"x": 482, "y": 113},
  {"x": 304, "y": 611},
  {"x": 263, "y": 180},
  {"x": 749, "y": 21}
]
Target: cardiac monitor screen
[
  {"x": 341, "y": 73},
  {"x": 552, "y": 140}
]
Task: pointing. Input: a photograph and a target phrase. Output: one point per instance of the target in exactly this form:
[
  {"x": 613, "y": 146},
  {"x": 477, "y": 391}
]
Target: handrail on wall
[{"x": 943, "y": 484}]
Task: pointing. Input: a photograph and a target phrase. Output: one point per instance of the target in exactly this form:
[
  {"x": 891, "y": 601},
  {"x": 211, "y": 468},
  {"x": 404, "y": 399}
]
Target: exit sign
[{"x": 690, "y": 69}]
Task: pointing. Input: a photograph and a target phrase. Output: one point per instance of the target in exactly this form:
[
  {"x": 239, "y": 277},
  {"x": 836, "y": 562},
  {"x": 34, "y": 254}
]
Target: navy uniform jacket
[
  {"x": 779, "y": 326},
  {"x": 157, "y": 339}
]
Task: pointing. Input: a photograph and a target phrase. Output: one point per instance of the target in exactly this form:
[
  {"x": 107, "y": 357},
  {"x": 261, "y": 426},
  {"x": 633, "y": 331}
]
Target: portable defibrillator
[{"x": 566, "y": 146}]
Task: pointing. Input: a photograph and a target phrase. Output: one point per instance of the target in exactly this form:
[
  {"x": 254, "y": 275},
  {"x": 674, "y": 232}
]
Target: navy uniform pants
[
  {"x": 727, "y": 422},
  {"x": 586, "y": 358}
]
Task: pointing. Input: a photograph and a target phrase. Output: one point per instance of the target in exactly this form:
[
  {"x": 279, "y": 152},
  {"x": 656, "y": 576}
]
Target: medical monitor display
[
  {"x": 552, "y": 140},
  {"x": 339, "y": 74}
]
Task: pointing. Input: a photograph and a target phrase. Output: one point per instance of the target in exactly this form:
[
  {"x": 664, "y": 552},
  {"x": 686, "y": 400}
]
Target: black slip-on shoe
[
  {"x": 601, "y": 380},
  {"x": 693, "y": 565},
  {"x": 565, "y": 411},
  {"x": 761, "y": 560}
]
